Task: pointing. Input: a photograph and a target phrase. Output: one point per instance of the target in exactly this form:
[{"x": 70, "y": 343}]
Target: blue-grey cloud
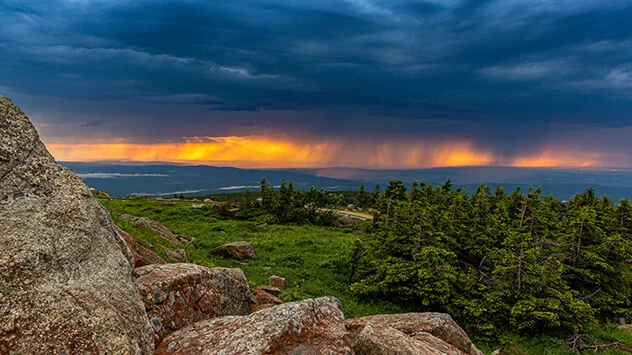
[{"x": 509, "y": 74}]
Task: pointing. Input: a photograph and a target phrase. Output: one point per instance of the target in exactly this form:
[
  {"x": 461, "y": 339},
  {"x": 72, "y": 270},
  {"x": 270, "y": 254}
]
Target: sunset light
[{"x": 258, "y": 152}]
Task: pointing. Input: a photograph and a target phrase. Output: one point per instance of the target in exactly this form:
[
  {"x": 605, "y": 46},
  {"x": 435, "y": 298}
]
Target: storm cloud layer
[{"x": 364, "y": 83}]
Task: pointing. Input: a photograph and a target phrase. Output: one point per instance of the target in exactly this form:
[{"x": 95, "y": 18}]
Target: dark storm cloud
[{"x": 508, "y": 74}]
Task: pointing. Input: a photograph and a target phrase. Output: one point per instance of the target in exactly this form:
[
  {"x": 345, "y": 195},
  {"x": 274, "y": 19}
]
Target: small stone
[
  {"x": 276, "y": 281},
  {"x": 239, "y": 250}
]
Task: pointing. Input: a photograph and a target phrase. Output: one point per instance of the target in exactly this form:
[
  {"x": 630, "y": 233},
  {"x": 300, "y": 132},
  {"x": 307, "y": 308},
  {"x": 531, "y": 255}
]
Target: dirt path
[{"x": 352, "y": 214}]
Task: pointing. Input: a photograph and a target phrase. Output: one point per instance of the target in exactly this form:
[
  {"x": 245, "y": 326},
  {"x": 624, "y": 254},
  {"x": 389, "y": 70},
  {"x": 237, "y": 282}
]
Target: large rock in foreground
[
  {"x": 177, "y": 295},
  {"x": 376, "y": 339},
  {"x": 415, "y": 325},
  {"x": 66, "y": 284},
  {"x": 306, "y": 327}
]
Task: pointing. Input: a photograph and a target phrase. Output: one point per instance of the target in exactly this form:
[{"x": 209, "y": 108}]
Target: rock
[
  {"x": 496, "y": 352},
  {"x": 351, "y": 207},
  {"x": 157, "y": 228},
  {"x": 200, "y": 206},
  {"x": 226, "y": 208},
  {"x": 128, "y": 218},
  {"x": 263, "y": 297},
  {"x": 66, "y": 284},
  {"x": 129, "y": 251},
  {"x": 270, "y": 289},
  {"x": 262, "y": 225},
  {"x": 178, "y": 255},
  {"x": 375, "y": 339},
  {"x": 182, "y": 294},
  {"x": 440, "y": 325},
  {"x": 238, "y": 250},
  {"x": 314, "y": 326},
  {"x": 147, "y": 257},
  {"x": 345, "y": 222},
  {"x": 141, "y": 255},
  {"x": 441, "y": 345},
  {"x": 276, "y": 281}
]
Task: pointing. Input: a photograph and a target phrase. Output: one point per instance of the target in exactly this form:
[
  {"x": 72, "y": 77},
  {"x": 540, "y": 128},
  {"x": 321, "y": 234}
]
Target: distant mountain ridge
[
  {"x": 167, "y": 179},
  {"x": 163, "y": 179}
]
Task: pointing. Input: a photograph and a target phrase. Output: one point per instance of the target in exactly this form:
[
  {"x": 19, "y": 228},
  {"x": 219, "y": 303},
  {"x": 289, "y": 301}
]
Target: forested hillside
[{"x": 518, "y": 262}]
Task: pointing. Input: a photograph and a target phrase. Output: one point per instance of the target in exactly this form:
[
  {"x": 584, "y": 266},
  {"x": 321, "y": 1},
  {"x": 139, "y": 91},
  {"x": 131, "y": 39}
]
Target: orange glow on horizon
[
  {"x": 557, "y": 159},
  {"x": 245, "y": 151},
  {"x": 266, "y": 152}
]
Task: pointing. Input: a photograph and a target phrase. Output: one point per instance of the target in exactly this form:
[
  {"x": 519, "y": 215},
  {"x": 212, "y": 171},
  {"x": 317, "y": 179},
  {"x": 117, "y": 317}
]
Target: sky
[{"x": 304, "y": 83}]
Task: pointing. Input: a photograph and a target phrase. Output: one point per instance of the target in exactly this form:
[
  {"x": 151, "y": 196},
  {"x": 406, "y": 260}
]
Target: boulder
[
  {"x": 345, "y": 222},
  {"x": 199, "y": 206},
  {"x": 238, "y": 250},
  {"x": 262, "y": 297},
  {"x": 141, "y": 255},
  {"x": 178, "y": 255},
  {"x": 66, "y": 283},
  {"x": 375, "y": 339},
  {"x": 276, "y": 281},
  {"x": 270, "y": 289},
  {"x": 177, "y": 295},
  {"x": 314, "y": 326},
  {"x": 147, "y": 256},
  {"x": 440, "y": 325},
  {"x": 157, "y": 228}
]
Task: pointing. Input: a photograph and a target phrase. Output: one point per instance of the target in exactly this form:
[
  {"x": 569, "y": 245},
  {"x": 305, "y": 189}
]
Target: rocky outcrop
[
  {"x": 141, "y": 256},
  {"x": 307, "y": 327},
  {"x": 375, "y": 339},
  {"x": 156, "y": 227},
  {"x": 413, "y": 324},
  {"x": 177, "y": 295},
  {"x": 65, "y": 283},
  {"x": 238, "y": 250}
]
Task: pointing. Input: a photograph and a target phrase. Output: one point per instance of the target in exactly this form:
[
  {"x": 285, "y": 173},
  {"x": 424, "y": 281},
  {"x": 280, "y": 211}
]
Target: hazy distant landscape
[{"x": 119, "y": 179}]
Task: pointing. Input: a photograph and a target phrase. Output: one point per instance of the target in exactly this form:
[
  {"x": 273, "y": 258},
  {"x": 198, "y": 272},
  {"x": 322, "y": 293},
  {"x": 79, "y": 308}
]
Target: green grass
[
  {"x": 306, "y": 256},
  {"x": 309, "y": 258},
  {"x": 603, "y": 336}
]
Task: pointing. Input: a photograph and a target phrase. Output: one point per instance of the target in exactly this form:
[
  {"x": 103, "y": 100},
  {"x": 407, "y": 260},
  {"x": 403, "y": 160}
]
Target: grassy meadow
[{"x": 308, "y": 257}]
